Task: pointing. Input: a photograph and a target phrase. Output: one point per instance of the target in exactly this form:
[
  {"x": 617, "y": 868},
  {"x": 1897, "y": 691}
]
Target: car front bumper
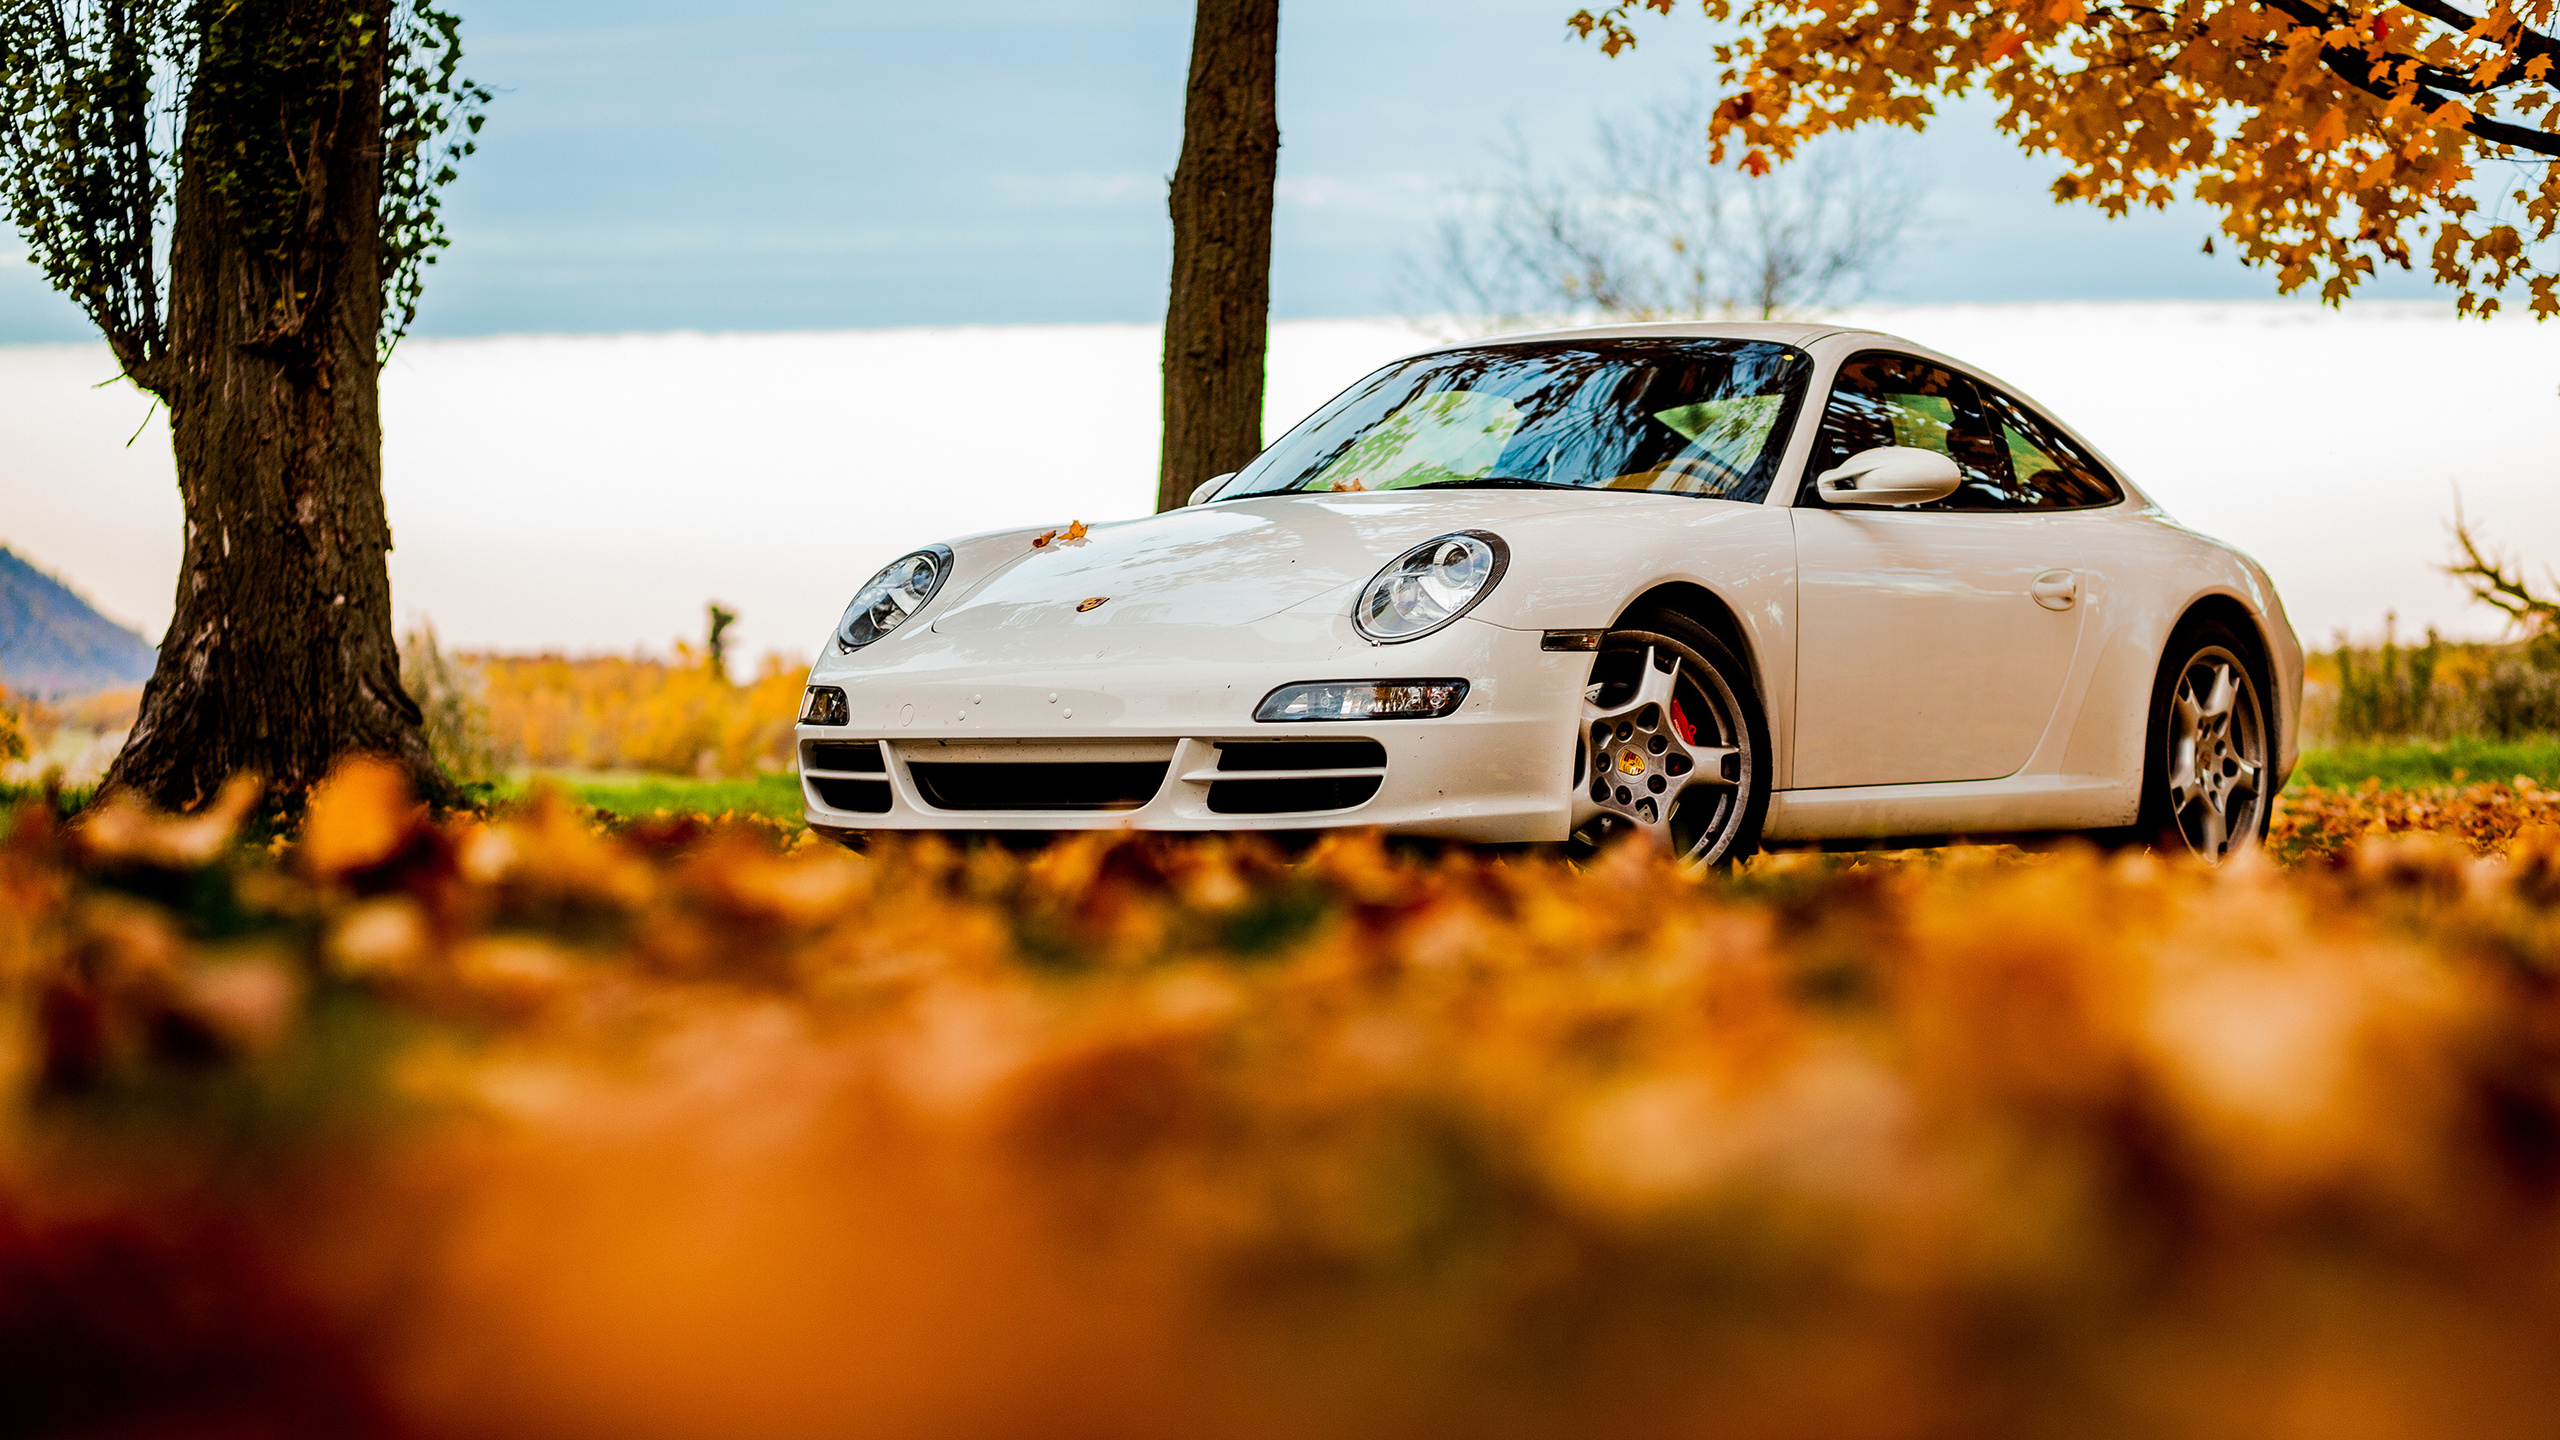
[{"x": 1500, "y": 768}]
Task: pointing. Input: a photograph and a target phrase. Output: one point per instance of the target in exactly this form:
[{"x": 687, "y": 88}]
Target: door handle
[{"x": 2056, "y": 589}]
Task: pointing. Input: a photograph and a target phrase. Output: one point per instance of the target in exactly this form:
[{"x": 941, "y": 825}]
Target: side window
[
  {"x": 1881, "y": 398},
  {"x": 2050, "y": 472}
]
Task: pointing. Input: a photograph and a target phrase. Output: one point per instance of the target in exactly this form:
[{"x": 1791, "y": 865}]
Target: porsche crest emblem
[{"x": 1093, "y": 603}]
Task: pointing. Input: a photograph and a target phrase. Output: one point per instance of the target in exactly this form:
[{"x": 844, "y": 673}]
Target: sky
[
  {"x": 837, "y": 171},
  {"x": 796, "y": 165}
]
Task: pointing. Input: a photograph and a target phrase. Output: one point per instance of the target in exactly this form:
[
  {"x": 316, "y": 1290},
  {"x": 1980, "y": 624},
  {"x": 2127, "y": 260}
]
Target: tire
[
  {"x": 1713, "y": 819},
  {"x": 2206, "y": 767}
]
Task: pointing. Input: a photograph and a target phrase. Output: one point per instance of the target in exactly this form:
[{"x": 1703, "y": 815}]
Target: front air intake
[
  {"x": 862, "y": 797},
  {"x": 861, "y": 757},
  {"x": 1302, "y": 755},
  {"x": 846, "y": 775},
  {"x": 1038, "y": 785},
  {"x": 1297, "y": 776}
]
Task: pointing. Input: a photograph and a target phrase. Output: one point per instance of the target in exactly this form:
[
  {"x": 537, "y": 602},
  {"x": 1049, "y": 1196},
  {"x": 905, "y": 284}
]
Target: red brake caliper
[{"x": 1680, "y": 722}]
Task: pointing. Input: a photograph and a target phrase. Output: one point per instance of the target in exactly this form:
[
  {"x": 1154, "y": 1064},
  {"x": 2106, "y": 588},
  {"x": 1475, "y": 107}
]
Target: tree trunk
[
  {"x": 280, "y": 658},
  {"x": 1219, "y": 317}
]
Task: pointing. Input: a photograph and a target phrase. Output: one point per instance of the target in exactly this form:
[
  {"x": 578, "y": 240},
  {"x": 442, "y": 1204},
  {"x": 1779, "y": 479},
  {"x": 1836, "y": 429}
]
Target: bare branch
[
  {"x": 1650, "y": 228},
  {"x": 2489, "y": 582}
]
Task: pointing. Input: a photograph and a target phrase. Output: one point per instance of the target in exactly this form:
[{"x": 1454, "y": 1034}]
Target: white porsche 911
[{"x": 1724, "y": 583}]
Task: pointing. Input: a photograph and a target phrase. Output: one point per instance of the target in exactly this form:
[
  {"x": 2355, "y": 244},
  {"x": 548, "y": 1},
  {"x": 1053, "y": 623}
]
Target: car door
[{"x": 1933, "y": 641}]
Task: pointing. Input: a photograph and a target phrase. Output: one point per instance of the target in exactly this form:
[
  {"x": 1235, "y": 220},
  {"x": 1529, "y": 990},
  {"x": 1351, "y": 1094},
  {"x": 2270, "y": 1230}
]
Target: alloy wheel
[
  {"x": 1664, "y": 748},
  {"x": 2216, "y": 754}
]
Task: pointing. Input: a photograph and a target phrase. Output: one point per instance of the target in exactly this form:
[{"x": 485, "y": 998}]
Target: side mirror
[
  {"x": 1890, "y": 475},
  {"x": 1201, "y": 492}
]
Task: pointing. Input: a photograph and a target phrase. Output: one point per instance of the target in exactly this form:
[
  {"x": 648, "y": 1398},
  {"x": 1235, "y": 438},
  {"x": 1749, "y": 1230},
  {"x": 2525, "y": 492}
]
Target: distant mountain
[{"x": 53, "y": 644}]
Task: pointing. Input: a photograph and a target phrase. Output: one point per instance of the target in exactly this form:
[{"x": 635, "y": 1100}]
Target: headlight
[
  {"x": 893, "y": 595},
  {"x": 1430, "y": 585}
]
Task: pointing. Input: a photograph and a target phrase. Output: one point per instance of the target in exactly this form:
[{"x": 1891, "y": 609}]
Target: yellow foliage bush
[
  {"x": 30, "y": 727},
  {"x": 675, "y": 717},
  {"x": 518, "y": 1126}
]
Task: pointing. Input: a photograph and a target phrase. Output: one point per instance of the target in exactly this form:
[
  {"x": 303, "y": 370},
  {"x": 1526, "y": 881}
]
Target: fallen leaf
[
  {"x": 123, "y": 828},
  {"x": 357, "y": 817}
]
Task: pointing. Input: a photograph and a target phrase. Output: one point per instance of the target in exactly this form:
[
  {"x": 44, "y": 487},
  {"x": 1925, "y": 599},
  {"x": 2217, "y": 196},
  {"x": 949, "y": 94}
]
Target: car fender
[
  {"x": 2157, "y": 573},
  {"x": 1585, "y": 570}
]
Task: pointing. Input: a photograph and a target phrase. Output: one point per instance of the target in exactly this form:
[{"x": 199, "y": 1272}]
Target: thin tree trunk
[
  {"x": 280, "y": 658},
  {"x": 1219, "y": 317}
]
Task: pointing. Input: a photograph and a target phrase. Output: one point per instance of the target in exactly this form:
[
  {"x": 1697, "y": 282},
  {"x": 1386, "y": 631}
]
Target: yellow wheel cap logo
[
  {"x": 1090, "y": 604},
  {"x": 1631, "y": 763}
]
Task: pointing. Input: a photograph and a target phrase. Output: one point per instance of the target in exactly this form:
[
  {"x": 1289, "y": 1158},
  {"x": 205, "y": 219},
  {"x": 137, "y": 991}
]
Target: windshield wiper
[{"x": 1494, "y": 482}]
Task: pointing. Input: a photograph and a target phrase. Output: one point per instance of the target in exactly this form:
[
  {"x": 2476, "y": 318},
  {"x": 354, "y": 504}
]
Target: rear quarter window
[{"x": 2048, "y": 471}]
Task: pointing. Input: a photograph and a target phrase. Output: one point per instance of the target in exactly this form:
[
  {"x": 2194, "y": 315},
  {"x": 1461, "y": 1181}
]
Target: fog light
[
  {"x": 1363, "y": 700},
  {"x": 824, "y": 705}
]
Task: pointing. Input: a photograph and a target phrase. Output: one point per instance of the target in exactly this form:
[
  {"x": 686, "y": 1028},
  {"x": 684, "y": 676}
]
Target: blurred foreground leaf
[{"x": 521, "y": 1125}]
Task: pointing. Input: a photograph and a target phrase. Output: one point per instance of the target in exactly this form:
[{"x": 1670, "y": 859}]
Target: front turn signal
[
  {"x": 1362, "y": 700},
  {"x": 823, "y": 705}
]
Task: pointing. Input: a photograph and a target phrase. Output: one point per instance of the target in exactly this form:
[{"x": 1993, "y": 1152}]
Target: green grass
[
  {"x": 628, "y": 795},
  {"x": 632, "y": 795},
  {"x": 13, "y": 795},
  {"x": 2411, "y": 765},
  {"x": 2404, "y": 766}
]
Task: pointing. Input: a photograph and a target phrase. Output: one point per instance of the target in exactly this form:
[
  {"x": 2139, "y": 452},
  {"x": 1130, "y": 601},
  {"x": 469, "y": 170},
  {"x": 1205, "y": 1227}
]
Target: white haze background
[{"x": 591, "y": 493}]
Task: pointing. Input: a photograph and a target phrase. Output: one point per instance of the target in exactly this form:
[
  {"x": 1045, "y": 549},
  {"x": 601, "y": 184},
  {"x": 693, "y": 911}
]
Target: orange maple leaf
[
  {"x": 1075, "y": 533},
  {"x": 1797, "y": 68}
]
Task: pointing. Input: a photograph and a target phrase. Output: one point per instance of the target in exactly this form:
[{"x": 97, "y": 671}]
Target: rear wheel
[
  {"x": 1673, "y": 744},
  {"x": 2207, "y": 764}
]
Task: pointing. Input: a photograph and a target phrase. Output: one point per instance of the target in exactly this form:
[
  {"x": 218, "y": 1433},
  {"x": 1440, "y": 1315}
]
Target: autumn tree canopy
[{"x": 2335, "y": 136}]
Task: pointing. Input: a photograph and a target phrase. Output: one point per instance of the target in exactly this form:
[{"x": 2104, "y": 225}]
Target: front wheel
[
  {"x": 2208, "y": 761},
  {"x": 1673, "y": 744}
]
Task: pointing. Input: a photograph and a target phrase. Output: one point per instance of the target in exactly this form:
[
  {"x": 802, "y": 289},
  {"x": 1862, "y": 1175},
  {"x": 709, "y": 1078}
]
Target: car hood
[{"x": 1231, "y": 563}]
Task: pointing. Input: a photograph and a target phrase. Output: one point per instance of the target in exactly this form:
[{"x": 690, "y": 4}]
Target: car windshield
[{"x": 1687, "y": 417}]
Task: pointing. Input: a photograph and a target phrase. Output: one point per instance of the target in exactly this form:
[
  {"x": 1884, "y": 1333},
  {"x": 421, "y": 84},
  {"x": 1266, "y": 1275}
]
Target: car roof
[{"x": 1782, "y": 332}]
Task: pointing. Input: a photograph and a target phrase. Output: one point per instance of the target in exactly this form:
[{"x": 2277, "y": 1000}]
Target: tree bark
[
  {"x": 1218, "y": 319},
  {"x": 280, "y": 657}
]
